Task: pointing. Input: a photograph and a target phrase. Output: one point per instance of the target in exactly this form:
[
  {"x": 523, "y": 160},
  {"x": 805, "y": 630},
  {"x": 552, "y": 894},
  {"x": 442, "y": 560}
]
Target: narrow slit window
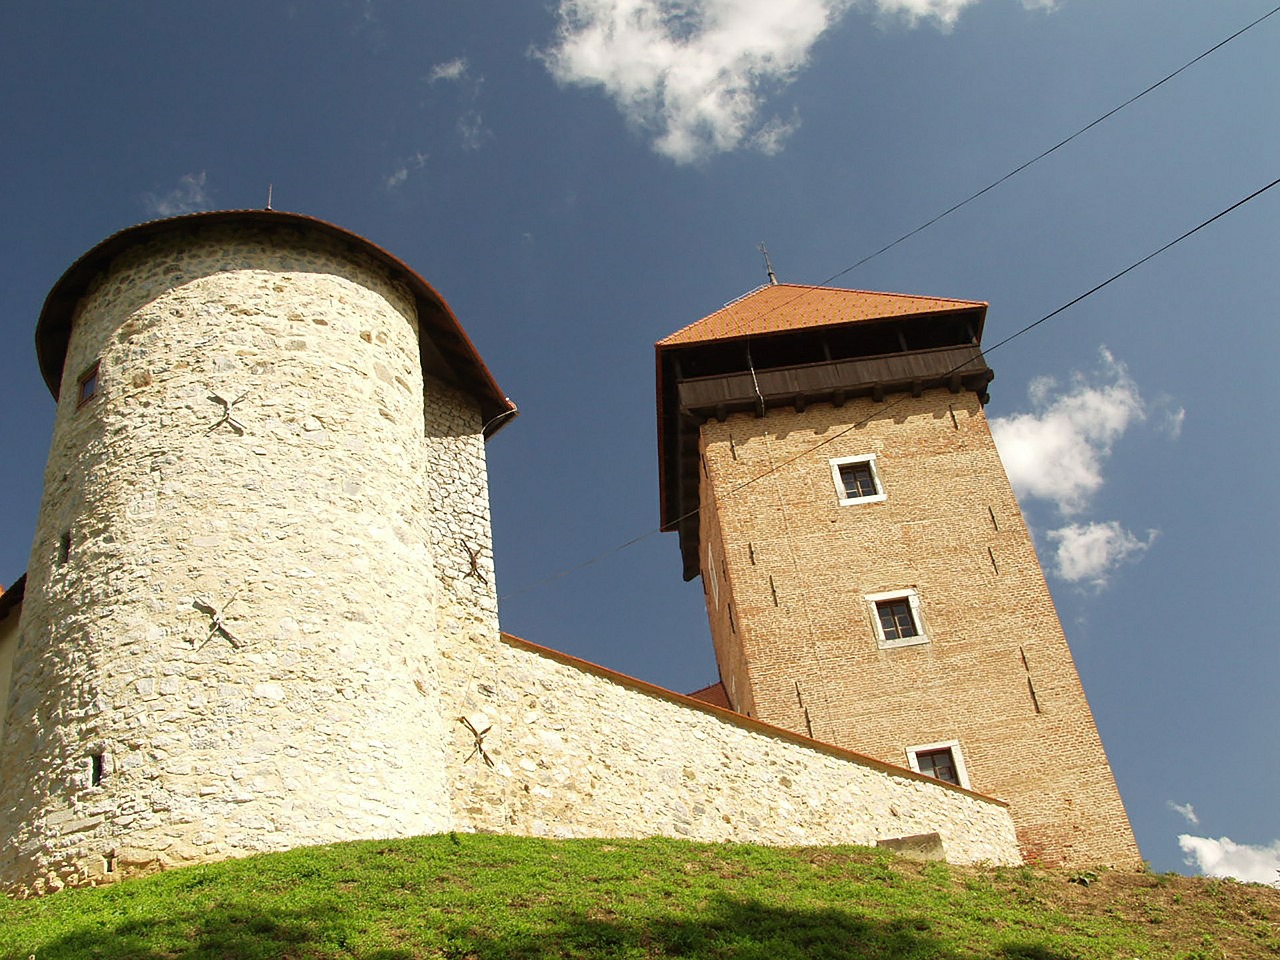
[
  {"x": 64, "y": 547},
  {"x": 97, "y": 768},
  {"x": 87, "y": 384}
]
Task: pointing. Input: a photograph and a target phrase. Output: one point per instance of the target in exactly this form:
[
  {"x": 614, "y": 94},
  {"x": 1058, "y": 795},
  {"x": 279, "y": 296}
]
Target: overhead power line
[
  {"x": 891, "y": 404},
  {"x": 800, "y": 295},
  {"x": 1040, "y": 156}
]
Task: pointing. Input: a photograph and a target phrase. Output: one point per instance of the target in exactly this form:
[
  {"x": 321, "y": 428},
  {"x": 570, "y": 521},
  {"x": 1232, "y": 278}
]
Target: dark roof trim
[
  {"x": 53, "y": 331},
  {"x": 736, "y": 719},
  {"x": 12, "y": 598}
]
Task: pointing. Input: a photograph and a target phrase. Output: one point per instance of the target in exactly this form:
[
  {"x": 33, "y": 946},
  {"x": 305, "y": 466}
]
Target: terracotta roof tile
[{"x": 792, "y": 306}]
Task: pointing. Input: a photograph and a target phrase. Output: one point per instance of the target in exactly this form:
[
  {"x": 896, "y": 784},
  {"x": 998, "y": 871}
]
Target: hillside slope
[{"x": 474, "y": 897}]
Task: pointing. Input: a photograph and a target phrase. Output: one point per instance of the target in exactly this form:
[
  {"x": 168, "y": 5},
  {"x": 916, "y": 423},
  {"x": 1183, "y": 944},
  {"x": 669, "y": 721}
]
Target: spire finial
[{"x": 768, "y": 265}]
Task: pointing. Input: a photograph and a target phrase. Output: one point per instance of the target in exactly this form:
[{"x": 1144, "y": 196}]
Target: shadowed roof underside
[{"x": 788, "y": 345}]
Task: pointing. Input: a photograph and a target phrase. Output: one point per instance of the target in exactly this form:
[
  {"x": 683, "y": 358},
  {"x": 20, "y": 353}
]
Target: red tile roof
[
  {"x": 715, "y": 694},
  {"x": 792, "y": 306}
]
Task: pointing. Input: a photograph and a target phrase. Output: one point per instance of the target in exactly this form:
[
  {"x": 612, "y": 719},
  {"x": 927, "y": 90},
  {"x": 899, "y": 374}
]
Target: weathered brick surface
[{"x": 996, "y": 674}]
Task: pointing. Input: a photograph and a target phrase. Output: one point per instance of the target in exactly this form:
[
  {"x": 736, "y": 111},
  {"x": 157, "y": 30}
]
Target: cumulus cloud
[
  {"x": 450, "y": 70},
  {"x": 1226, "y": 858},
  {"x": 471, "y": 130},
  {"x": 188, "y": 196},
  {"x": 1057, "y": 451},
  {"x": 695, "y": 73},
  {"x": 402, "y": 173},
  {"x": 1171, "y": 420},
  {"x": 1187, "y": 811},
  {"x": 1088, "y": 552}
]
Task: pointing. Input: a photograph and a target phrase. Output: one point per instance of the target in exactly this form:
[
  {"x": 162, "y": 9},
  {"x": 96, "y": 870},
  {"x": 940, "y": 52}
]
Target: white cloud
[
  {"x": 1056, "y": 452},
  {"x": 1188, "y": 812},
  {"x": 1226, "y": 858},
  {"x": 472, "y": 131},
  {"x": 695, "y": 73},
  {"x": 402, "y": 173},
  {"x": 1088, "y": 552},
  {"x": 1171, "y": 421},
  {"x": 188, "y": 196},
  {"x": 451, "y": 70}
]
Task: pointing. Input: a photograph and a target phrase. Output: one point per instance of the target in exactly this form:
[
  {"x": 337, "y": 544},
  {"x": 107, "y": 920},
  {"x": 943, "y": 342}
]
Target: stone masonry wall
[
  {"x": 545, "y": 745},
  {"x": 573, "y": 750},
  {"x": 995, "y": 675},
  {"x": 297, "y": 523},
  {"x": 270, "y": 619},
  {"x": 8, "y": 644}
]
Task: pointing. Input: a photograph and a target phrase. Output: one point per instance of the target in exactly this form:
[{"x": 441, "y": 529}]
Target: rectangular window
[
  {"x": 857, "y": 479},
  {"x": 87, "y": 385},
  {"x": 942, "y": 761},
  {"x": 97, "y": 768},
  {"x": 896, "y": 618}
]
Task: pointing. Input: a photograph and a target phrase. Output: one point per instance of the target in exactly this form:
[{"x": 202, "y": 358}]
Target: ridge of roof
[{"x": 810, "y": 305}]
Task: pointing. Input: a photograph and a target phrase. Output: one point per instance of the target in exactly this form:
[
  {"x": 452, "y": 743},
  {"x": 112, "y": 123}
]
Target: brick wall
[{"x": 996, "y": 674}]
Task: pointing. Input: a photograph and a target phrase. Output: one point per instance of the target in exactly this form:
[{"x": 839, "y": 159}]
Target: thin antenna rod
[
  {"x": 768, "y": 265},
  {"x": 268, "y": 196}
]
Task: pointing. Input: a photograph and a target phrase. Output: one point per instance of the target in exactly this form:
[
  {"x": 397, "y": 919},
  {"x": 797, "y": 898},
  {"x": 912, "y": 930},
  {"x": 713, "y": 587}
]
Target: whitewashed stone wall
[
  {"x": 574, "y": 751},
  {"x": 544, "y": 745},
  {"x": 8, "y": 644},
  {"x": 315, "y": 715},
  {"x": 359, "y": 687}
]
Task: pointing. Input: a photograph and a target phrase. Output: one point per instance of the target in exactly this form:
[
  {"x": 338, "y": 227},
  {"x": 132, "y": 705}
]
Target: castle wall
[
  {"x": 298, "y": 523},
  {"x": 572, "y": 750},
  {"x": 995, "y": 673},
  {"x": 8, "y": 644},
  {"x": 545, "y": 745}
]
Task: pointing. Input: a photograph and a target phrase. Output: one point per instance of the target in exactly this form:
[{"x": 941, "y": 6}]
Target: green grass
[{"x": 475, "y": 897}]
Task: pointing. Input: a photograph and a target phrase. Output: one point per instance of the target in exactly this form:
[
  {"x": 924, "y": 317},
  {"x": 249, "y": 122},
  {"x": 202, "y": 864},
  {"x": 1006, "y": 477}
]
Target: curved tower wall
[{"x": 230, "y": 602}]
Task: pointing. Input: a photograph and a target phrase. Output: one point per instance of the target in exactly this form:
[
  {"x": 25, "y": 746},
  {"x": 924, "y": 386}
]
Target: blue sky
[{"x": 579, "y": 178}]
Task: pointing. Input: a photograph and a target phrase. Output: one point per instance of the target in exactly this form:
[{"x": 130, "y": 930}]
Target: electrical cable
[
  {"x": 889, "y": 405},
  {"x": 1040, "y": 156},
  {"x": 1018, "y": 169}
]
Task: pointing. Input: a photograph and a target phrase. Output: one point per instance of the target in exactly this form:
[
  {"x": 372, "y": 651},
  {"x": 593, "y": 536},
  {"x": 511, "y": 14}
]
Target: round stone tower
[{"x": 230, "y": 635}]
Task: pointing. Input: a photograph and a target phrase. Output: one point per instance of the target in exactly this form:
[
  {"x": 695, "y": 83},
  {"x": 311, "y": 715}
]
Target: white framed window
[
  {"x": 895, "y": 615},
  {"x": 942, "y": 761},
  {"x": 857, "y": 479}
]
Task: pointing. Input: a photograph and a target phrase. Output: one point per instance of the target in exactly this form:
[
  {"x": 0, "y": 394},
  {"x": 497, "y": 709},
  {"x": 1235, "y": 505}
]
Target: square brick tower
[{"x": 869, "y": 578}]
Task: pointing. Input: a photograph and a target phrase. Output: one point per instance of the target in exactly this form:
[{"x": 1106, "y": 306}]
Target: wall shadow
[{"x": 726, "y": 927}]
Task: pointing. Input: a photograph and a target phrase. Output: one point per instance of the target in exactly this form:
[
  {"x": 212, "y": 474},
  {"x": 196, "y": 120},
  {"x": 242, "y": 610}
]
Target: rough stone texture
[
  {"x": 801, "y": 650},
  {"x": 315, "y": 716},
  {"x": 8, "y": 644},
  {"x": 546, "y": 745},
  {"x": 279, "y": 627},
  {"x": 576, "y": 751}
]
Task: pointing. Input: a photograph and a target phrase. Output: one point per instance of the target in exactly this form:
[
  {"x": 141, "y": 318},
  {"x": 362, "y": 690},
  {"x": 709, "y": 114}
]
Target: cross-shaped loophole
[
  {"x": 474, "y": 557},
  {"x": 217, "y": 626},
  {"x": 477, "y": 737},
  {"x": 227, "y": 418}
]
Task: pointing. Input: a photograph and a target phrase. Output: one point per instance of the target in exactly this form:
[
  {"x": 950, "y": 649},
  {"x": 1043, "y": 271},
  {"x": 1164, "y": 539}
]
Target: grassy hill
[{"x": 478, "y": 897}]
